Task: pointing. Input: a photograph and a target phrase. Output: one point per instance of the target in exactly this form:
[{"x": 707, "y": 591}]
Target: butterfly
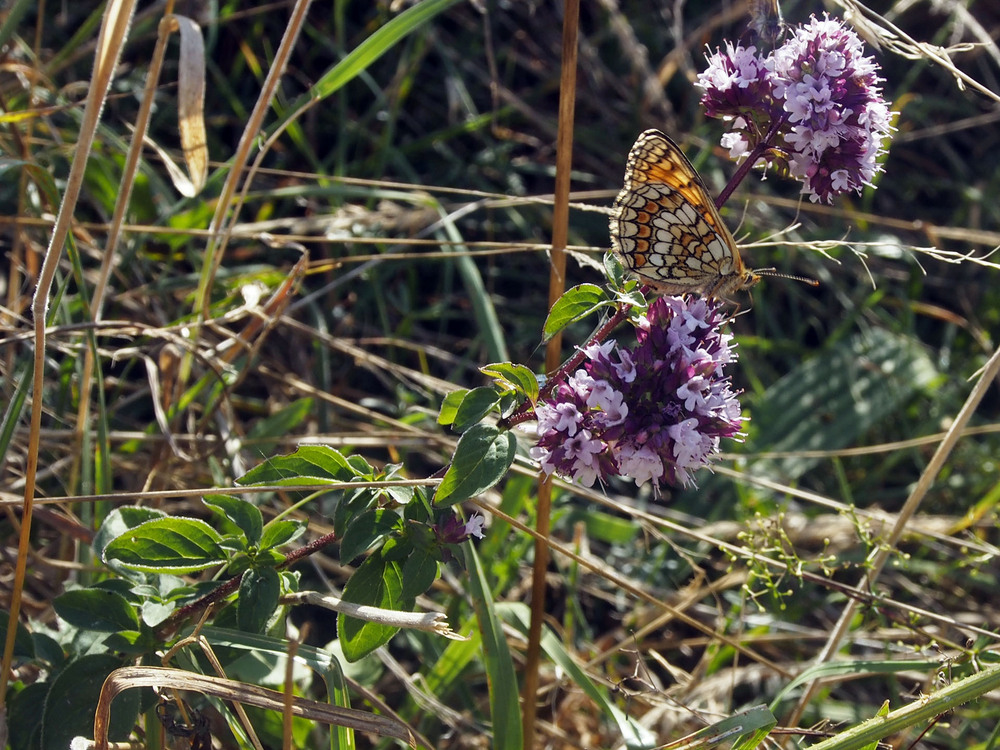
[
  {"x": 765, "y": 20},
  {"x": 666, "y": 229}
]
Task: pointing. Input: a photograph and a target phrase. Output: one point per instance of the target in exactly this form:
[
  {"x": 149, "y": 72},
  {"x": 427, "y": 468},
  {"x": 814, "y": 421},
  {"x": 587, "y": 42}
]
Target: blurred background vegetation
[{"x": 420, "y": 191}]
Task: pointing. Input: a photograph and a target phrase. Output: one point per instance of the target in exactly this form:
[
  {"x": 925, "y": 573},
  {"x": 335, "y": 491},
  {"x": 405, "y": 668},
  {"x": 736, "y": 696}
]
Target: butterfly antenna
[{"x": 773, "y": 273}]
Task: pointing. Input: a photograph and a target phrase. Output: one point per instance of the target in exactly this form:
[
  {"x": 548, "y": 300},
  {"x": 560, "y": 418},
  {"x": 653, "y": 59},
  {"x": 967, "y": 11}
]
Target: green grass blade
[
  {"x": 12, "y": 415},
  {"x": 504, "y": 702},
  {"x": 635, "y": 736},
  {"x": 370, "y": 50},
  {"x": 923, "y": 709}
]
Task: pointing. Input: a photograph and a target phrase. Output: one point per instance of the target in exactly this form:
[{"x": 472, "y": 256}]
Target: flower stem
[{"x": 744, "y": 168}]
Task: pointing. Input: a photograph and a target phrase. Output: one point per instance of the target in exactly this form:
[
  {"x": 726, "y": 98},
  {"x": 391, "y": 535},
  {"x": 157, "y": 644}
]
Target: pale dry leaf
[{"x": 191, "y": 101}]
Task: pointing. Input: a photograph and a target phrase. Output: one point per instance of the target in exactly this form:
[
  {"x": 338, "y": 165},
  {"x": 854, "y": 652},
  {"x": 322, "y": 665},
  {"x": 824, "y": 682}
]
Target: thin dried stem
[
  {"x": 231, "y": 690},
  {"x": 217, "y": 240},
  {"x": 882, "y": 553},
  {"x": 114, "y": 235},
  {"x": 114, "y": 32}
]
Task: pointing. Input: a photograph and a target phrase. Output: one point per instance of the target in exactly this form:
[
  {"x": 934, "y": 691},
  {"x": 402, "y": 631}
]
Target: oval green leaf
[
  {"x": 577, "y": 303},
  {"x": 310, "y": 464},
  {"x": 72, "y": 699},
  {"x": 277, "y": 533},
  {"x": 512, "y": 376},
  {"x": 449, "y": 407},
  {"x": 482, "y": 458},
  {"x": 365, "y": 530},
  {"x": 23, "y": 639},
  {"x": 420, "y": 570},
  {"x": 96, "y": 609},
  {"x": 477, "y": 404},
  {"x": 118, "y": 522},
  {"x": 376, "y": 583},
  {"x": 168, "y": 545},
  {"x": 245, "y": 515},
  {"x": 258, "y": 598}
]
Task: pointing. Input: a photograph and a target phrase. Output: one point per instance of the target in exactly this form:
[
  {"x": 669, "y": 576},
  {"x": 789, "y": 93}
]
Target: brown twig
[{"x": 114, "y": 32}]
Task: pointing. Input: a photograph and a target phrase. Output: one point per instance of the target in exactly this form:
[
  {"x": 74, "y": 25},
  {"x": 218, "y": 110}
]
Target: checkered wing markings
[{"x": 666, "y": 226}]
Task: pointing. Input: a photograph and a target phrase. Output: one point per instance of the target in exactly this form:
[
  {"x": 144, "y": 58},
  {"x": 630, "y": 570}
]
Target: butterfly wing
[
  {"x": 665, "y": 226},
  {"x": 765, "y": 20}
]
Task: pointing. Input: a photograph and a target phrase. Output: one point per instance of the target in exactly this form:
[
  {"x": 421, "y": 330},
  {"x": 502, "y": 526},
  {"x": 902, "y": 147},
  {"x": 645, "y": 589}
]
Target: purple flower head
[
  {"x": 819, "y": 91},
  {"x": 737, "y": 84},
  {"x": 453, "y": 530},
  {"x": 652, "y": 413}
]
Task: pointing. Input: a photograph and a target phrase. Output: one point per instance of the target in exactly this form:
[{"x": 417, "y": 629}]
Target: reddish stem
[
  {"x": 169, "y": 626},
  {"x": 525, "y": 411}
]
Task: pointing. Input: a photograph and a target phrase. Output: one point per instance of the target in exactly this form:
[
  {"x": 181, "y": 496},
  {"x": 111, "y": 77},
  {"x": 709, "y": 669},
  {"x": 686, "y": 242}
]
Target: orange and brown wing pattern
[{"x": 665, "y": 226}]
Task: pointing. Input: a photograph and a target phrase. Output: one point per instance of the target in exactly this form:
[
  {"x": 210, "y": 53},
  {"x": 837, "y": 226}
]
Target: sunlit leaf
[
  {"x": 168, "y": 545},
  {"x": 482, "y": 458}
]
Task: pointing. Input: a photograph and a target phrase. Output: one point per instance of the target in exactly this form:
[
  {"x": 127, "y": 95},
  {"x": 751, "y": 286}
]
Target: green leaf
[
  {"x": 372, "y": 48},
  {"x": 47, "y": 648},
  {"x": 746, "y": 730},
  {"x": 130, "y": 642},
  {"x": 576, "y": 303},
  {"x": 399, "y": 495},
  {"x": 23, "y": 643},
  {"x": 245, "y": 515},
  {"x": 309, "y": 464},
  {"x": 119, "y": 521},
  {"x": 449, "y": 407},
  {"x": 260, "y": 589},
  {"x": 482, "y": 458},
  {"x": 364, "y": 530},
  {"x": 122, "y": 587},
  {"x": 154, "y": 612},
  {"x": 477, "y": 404},
  {"x": 72, "y": 698},
  {"x": 420, "y": 570},
  {"x": 277, "y": 533},
  {"x": 376, "y": 583},
  {"x": 361, "y": 466},
  {"x": 614, "y": 270},
  {"x": 96, "y": 609},
  {"x": 168, "y": 545},
  {"x": 23, "y": 711},
  {"x": 510, "y": 375}
]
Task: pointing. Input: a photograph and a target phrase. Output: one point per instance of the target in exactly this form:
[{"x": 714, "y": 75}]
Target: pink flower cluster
[
  {"x": 821, "y": 94},
  {"x": 653, "y": 413}
]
